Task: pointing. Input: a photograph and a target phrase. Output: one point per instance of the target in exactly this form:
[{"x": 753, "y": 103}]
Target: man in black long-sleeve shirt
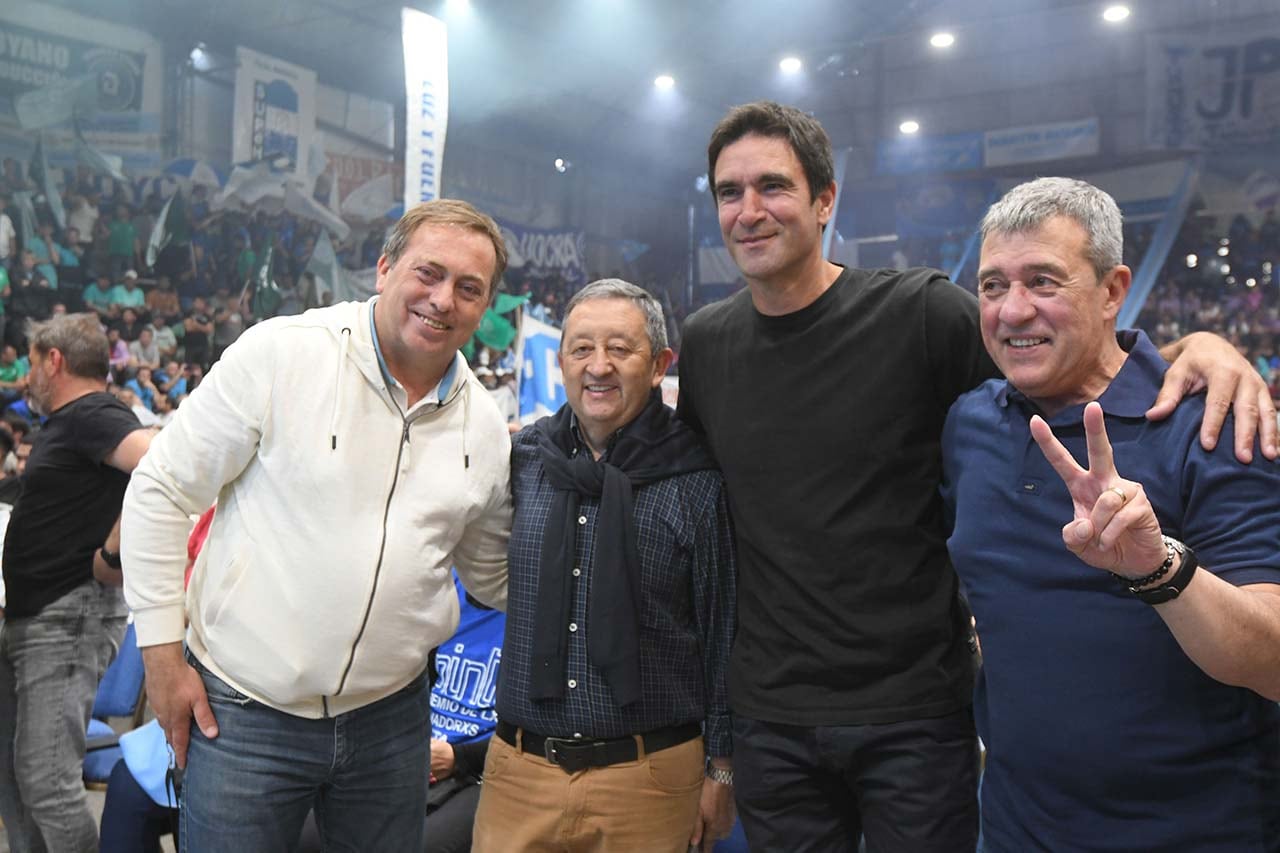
[{"x": 822, "y": 393}]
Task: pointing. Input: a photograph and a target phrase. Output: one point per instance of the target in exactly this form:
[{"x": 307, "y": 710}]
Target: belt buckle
[{"x": 568, "y": 754}]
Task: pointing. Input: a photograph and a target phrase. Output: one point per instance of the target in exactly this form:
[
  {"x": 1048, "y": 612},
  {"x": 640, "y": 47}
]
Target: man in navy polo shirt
[{"x": 1132, "y": 656}]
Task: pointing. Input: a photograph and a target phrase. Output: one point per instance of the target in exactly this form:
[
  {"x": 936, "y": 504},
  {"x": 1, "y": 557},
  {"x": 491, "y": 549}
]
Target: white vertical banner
[
  {"x": 275, "y": 113},
  {"x": 426, "y": 84}
]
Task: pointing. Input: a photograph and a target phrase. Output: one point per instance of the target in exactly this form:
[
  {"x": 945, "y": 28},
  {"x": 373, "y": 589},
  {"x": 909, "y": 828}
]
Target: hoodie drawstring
[
  {"x": 337, "y": 399},
  {"x": 466, "y": 421}
]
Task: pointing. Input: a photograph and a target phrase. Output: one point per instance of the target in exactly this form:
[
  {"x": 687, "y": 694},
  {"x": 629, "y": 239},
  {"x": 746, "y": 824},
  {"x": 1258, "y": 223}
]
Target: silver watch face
[{"x": 1175, "y": 545}]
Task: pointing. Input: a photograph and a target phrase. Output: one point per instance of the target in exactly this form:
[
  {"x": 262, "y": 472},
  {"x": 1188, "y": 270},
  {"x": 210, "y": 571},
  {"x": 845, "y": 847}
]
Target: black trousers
[{"x": 909, "y": 787}]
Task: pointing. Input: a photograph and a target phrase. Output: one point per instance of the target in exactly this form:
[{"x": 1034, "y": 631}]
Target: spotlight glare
[
  {"x": 1226, "y": 269},
  {"x": 942, "y": 40},
  {"x": 1115, "y": 14},
  {"x": 459, "y": 5},
  {"x": 664, "y": 81},
  {"x": 909, "y": 126},
  {"x": 560, "y": 165},
  {"x": 1223, "y": 251},
  {"x": 790, "y": 65}
]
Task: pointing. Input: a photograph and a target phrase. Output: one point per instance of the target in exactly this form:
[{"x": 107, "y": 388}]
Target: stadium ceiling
[{"x": 574, "y": 78}]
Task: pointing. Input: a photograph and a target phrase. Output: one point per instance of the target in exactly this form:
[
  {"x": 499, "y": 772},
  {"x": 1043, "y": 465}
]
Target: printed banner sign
[
  {"x": 275, "y": 113},
  {"x": 33, "y": 59},
  {"x": 426, "y": 85},
  {"x": 909, "y": 155},
  {"x": 541, "y": 382},
  {"x": 539, "y": 251},
  {"x": 462, "y": 701},
  {"x": 1214, "y": 90},
  {"x": 1040, "y": 143}
]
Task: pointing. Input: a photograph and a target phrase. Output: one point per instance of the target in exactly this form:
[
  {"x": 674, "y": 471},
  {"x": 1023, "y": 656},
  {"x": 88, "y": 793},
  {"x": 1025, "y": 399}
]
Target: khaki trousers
[{"x": 529, "y": 804}]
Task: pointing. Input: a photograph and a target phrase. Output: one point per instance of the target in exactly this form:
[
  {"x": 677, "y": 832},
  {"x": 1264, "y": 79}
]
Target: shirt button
[
  {"x": 577, "y": 572},
  {"x": 573, "y": 626},
  {"x": 582, "y": 519},
  {"x": 572, "y": 683}
]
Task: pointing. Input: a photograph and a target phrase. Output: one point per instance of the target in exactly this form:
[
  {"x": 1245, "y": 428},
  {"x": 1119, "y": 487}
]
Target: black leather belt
[{"x": 574, "y": 754}]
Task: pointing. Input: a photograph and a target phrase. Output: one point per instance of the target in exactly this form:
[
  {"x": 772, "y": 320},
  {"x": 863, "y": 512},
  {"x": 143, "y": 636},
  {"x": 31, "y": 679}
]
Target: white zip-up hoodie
[{"x": 325, "y": 581}]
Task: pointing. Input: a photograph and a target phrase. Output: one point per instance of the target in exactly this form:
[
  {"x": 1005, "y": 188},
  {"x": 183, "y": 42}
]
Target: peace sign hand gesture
[{"x": 1115, "y": 527}]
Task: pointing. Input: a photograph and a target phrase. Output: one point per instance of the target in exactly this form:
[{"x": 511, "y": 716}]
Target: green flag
[
  {"x": 40, "y": 173},
  {"x": 507, "y": 302},
  {"x": 172, "y": 227},
  {"x": 266, "y": 293},
  {"x": 495, "y": 330},
  {"x": 26, "y": 208},
  {"x": 100, "y": 162}
]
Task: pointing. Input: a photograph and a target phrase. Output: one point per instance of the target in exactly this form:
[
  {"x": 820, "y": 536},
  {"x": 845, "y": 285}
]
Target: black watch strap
[
  {"x": 1173, "y": 587},
  {"x": 111, "y": 558}
]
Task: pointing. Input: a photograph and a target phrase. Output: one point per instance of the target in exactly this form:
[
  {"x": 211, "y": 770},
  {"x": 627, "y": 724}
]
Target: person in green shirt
[
  {"x": 122, "y": 242},
  {"x": 128, "y": 294},
  {"x": 13, "y": 374},
  {"x": 246, "y": 261},
  {"x": 97, "y": 296}
]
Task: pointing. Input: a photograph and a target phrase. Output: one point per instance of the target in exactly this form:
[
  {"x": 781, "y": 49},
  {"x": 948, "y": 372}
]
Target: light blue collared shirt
[{"x": 397, "y": 390}]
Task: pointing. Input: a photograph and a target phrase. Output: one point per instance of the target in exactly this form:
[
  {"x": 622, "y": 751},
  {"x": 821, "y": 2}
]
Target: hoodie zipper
[{"x": 382, "y": 547}]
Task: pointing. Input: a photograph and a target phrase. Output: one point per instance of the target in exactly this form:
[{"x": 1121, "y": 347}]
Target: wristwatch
[
  {"x": 111, "y": 558},
  {"x": 719, "y": 774},
  {"x": 1173, "y": 587}
]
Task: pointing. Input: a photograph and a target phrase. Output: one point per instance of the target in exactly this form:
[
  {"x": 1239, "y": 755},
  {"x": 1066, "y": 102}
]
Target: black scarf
[{"x": 653, "y": 447}]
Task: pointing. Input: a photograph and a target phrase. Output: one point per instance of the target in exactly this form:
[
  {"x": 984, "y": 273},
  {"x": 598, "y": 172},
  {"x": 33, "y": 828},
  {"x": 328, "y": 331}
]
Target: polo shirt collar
[{"x": 1129, "y": 395}]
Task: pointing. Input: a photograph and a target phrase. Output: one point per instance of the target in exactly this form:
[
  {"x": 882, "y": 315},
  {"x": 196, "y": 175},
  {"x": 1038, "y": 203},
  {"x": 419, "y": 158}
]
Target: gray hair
[
  {"x": 1028, "y": 206},
  {"x": 80, "y": 339},
  {"x": 616, "y": 288}
]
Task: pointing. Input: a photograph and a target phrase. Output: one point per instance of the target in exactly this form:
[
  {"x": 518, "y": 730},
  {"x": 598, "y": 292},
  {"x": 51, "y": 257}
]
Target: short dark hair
[{"x": 766, "y": 118}]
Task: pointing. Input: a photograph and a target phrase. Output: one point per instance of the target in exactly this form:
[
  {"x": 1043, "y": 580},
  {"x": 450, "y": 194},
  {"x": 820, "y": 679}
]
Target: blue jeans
[
  {"x": 50, "y": 666},
  {"x": 365, "y": 773}
]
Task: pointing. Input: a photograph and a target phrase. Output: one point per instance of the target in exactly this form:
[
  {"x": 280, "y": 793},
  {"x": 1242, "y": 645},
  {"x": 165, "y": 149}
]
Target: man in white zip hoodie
[{"x": 355, "y": 459}]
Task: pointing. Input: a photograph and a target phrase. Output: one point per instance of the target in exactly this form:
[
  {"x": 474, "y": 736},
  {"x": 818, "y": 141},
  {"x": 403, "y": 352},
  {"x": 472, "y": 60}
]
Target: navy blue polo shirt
[{"x": 1101, "y": 733}]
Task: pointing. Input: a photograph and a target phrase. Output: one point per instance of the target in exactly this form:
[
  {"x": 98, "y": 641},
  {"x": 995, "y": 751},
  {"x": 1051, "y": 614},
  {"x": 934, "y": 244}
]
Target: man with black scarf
[{"x": 620, "y": 611}]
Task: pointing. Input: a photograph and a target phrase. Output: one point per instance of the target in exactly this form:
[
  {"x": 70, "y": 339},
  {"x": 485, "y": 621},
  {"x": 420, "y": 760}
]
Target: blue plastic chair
[{"x": 120, "y": 694}]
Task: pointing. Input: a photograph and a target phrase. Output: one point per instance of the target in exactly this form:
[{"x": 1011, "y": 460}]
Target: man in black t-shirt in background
[
  {"x": 64, "y": 616},
  {"x": 822, "y": 393}
]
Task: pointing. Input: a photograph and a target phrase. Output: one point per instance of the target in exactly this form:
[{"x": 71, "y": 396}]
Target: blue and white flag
[
  {"x": 541, "y": 382},
  {"x": 426, "y": 85}
]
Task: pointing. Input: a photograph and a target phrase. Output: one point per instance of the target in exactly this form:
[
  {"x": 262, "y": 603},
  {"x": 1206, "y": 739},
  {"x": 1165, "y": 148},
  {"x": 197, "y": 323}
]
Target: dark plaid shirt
[{"x": 686, "y": 610}]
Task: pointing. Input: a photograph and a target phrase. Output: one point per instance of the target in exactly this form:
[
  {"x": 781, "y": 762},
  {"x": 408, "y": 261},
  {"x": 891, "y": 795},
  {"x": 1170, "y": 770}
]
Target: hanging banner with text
[
  {"x": 51, "y": 66},
  {"x": 426, "y": 85},
  {"x": 1215, "y": 90},
  {"x": 275, "y": 113},
  {"x": 540, "y": 252},
  {"x": 541, "y": 382},
  {"x": 1040, "y": 143}
]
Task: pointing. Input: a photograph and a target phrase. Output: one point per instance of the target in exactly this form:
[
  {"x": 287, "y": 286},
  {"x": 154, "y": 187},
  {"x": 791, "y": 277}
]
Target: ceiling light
[
  {"x": 909, "y": 126},
  {"x": 942, "y": 39},
  {"x": 561, "y": 165},
  {"x": 1115, "y": 14},
  {"x": 790, "y": 65},
  {"x": 664, "y": 81}
]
